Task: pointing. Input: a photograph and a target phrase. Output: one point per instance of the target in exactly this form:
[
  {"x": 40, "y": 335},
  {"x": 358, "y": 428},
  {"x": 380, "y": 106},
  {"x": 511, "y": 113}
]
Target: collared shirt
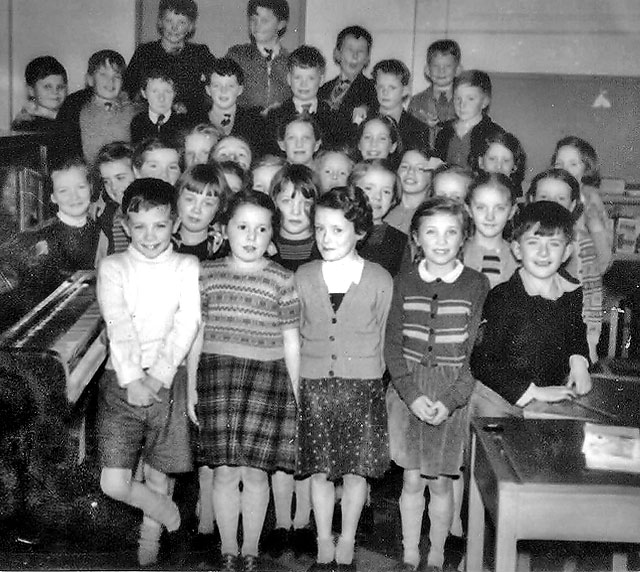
[
  {"x": 340, "y": 274},
  {"x": 153, "y": 116},
  {"x": 450, "y": 277},
  {"x": 300, "y": 105}
]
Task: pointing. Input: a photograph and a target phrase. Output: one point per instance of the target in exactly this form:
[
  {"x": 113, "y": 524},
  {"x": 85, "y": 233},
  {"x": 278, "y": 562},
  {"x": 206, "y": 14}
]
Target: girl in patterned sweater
[
  {"x": 247, "y": 375},
  {"x": 434, "y": 318}
]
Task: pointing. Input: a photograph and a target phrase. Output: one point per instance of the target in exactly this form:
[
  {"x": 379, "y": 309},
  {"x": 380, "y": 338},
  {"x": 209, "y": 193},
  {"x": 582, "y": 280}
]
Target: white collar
[
  {"x": 72, "y": 221},
  {"x": 340, "y": 274},
  {"x": 298, "y": 105},
  {"x": 274, "y": 51},
  {"x": 154, "y": 116},
  {"x": 449, "y": 278},
  {"x": 557, "y": 286}
]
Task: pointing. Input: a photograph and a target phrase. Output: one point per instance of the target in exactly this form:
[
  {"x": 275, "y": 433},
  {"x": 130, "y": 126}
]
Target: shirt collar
[
  {"x": 154, "y": 116},
  {"x": 342, "y": 273},
  {"x": 72, "y": 221},
  {"x": 275, "y": 51},
  {"x": 298, "y": 105},
  {"x": 449, "y": 278},
  {"x": 437, "y": 92}
]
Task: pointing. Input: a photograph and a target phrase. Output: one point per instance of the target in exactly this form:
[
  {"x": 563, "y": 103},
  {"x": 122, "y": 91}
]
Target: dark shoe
[
  {"x": 454, "y": 549},
  {"x": 303, "y": 541},
  {"x": 405, "y": 567},
  {"x": 431, "y": 568},
  {"x": 250, "y": 563},
  {"x": 277, "y": 542},
  {"x": 323, "y": 567},
  {"x": 229, "y": 563},
  {"x": 205, "y": 542},
  {"x": 351, "y": 567}
]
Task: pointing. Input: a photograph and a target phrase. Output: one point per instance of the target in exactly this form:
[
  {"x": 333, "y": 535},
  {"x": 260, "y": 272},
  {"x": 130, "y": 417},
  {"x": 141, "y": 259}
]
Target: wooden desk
[{"x": 531, "y": 479}]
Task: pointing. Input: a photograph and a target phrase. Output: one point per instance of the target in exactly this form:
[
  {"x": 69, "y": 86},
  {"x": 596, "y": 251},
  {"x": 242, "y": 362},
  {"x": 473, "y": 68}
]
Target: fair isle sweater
[
  {"x": 434, "y": 324},
  {"x": 348, "y": 343},
  {"x": 245, "y": 312},
  {"x": 151, "y": 308}
]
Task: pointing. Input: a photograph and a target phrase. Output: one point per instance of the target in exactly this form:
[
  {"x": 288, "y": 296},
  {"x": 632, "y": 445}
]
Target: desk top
[{"x": 541, "y": 451}]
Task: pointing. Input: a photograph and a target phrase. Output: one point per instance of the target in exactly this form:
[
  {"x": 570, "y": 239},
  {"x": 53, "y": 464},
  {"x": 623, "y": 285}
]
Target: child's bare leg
[
  {"x": 323, "y": 500},
  {"x": 226, "y": 504},
  {"x": 206, "y": 514},
  {"x": 150, "y": 529},
  {"x": 458, "y": 495},
  {"x": 253, "y": 501},
  {"x": 118, "y": 483},
  {"x": 303, "y": 503},
  {"x": 411, "y": 511},
  {"x": 440, "y": 514},
  {"x": 353, "y": 498},
  {"x": 282, "y": 485}
]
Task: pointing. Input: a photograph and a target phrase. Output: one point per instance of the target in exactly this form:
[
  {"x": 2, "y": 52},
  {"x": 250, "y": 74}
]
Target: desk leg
[
  {"x": 475, "y": 528},
  {"x": 506, "y": 547}
]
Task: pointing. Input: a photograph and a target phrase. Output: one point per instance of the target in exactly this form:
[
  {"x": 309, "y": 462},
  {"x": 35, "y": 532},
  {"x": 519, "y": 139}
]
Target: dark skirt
[
  {"x": 342, "y": 427},
  {"x": 247, "y": 413}
]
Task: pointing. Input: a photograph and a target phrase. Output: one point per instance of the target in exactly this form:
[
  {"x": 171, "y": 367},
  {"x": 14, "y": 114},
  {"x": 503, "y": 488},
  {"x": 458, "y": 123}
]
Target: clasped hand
[
  {"x": 144, "y": 391},
  {"x": 432, "y": 412}
]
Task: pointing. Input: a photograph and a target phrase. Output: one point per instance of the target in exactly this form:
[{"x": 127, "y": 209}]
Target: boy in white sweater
[{"x": 149, "y": 299}]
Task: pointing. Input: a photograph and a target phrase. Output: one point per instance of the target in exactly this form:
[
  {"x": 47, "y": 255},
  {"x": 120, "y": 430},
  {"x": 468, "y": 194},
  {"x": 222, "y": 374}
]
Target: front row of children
[{"x": 285, "y": 372}]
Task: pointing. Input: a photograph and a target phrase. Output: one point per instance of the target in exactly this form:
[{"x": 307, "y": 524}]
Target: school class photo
[{"x": 315, "y": 285}]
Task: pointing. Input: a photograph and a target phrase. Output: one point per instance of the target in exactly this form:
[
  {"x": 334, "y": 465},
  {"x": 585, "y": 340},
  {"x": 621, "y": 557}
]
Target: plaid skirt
[
  {"x": 342, "y": 427},
  {"x": 247, "y": 413}
]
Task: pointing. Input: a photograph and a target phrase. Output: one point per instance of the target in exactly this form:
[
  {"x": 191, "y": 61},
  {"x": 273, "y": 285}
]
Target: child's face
[
  {"x": 490, "y": 208},
  {"x": 442, "y": 70},
  {"x": 414, "y": 172},
  {"x": 71, "y": 191},
  {"x": 305, "y": 83},
  {"x": 161, "y": 164},
  {"x": 299, "y": 143},
  {"x": 451, "y": 185},
  {"x": 262, "y": 177},
  {"x": 223, "y": 90},
  {"x": 159, "y": 94},
  {"x": 106, "y": 82},
  {"x": 569, "y": 159},
  {"x": 233, "y": 181},
  {"x": 49, "y": 92},
  {"x": 378, "y": 185},
  {"x": 232, "y": 149},
  {"x": 264, "y": 26},
  {"x": 440, "y": 236},
  {"x": 497, "y": 159},
  {"x": 196, "y": 149},
  {"x": 391, "y": 92},
  {"x": 116, "y": 177},
  {"x": 336, "y": 236},
  {"x": 197, "y": 210},
  {"x": 469, "y": 101},
  {"x": 174, "y": 28},
  {"x": 333, "y": 171},
  {"x": 376, "y": 142},
  {"x": 295, "y": 212},
  {"x": 556, "y": 191},
  {"x": 149, "y": 230},
  {"x": 541, "y": 256},
  {"x": 249, "y": 232},
  {"x": 353, "y": 56}
]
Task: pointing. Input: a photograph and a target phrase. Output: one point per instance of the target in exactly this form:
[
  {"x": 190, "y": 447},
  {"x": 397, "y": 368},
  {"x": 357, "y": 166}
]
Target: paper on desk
[{"x": 611, "y": 448}]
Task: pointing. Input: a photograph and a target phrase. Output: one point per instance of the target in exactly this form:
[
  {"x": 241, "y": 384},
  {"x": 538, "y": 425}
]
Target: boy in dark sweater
[{"x": 534, "y": 342}]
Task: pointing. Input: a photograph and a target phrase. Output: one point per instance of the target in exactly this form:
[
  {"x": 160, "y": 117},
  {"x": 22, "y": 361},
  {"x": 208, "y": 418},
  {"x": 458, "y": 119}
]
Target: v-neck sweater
[{"x": 347, "y": 343}]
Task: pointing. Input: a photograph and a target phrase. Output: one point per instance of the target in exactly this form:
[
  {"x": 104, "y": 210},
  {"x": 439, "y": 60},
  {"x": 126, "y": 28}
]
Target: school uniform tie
[
  {"x": 159, "y": 122},
  {"x": 268, "y": 54},
  {"x": 337, "y": 93},
  {"x": 306, "y": 109},
  {"x": 226, "y": 120}
]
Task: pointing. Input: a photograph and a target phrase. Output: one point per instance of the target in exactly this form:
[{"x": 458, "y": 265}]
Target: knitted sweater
[
  {"x": 347, "y": 343},
  {"x": 498, "y": 265},
  {"x": 434, "y": 324},
  {"x": 528, "y": 339},
  {"x": 151, "y": 308}
]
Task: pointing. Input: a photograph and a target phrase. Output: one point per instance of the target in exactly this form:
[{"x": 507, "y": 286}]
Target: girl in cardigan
[
  {"x": 247, "y": 375},
  {"x": 344, "y": 303},
  {"x": 434, "y": 318}
]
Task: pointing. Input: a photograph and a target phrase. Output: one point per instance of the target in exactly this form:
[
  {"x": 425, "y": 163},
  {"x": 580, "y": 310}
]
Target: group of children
[{"x": 357, "y": 299}]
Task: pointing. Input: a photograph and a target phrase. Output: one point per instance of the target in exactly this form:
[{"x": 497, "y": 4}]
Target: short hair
[
  {"x": 233, "y": 168},
  {"x": 511, "y": 142},
  {"x": 439, "y": 205},
  {"x": 304, "y": 180},
  {"x": 474, "y": 78},
  {"x": 445, "y": 47},
  {"x": 336, "y": 150},
  {"x": 587, "y": 154},
  {"x": 148, "y": 193},
  {"x": 249, "y": 197},
  {"x": 558, "y": 175},
  {"x": 280, "y": 9},
  {"x": 269, "y": 160},
  {"x": 150, "y": 144},
  {"x": 447, "y": 169},
  {"x": 300, "y": 118},
  {"x": 207, "y": 178},
  {"x": 547, "y": 217},
  {"x": 109, "y": 153},
  {"x": 42, "y": 67},
  {"x": 225, "y": 67},
  {"x": 394, "y": 67},
  {"x": 363, "y": 167},
  {"x": 186, "y": 8},
  {"x": 357, "y": 32},
  {"x": 106, "y": 58},
  {"x": 353, "y": 203},
  {"x": 307, "y": 57},
  {"x": 156, "y": 73},
  {"x": 494, "y": 180},
  {"x": 65, "y": 164}
]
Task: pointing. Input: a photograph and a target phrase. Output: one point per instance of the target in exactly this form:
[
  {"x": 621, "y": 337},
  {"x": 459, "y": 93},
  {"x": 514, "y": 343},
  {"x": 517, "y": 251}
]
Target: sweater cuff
[{"x": 407, "y": 389}]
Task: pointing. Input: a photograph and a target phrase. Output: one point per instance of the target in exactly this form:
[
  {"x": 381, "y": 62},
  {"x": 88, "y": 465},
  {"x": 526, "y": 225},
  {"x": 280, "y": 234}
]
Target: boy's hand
[
  {"x": 139, "y": 395},
  {"x": 440, "y": 413},
  {"x": 154, "y": 385},
  {"x": 422, "y": 408},
  {"x": 192, "y": 400},
  {"x": 579, "y": 377},
  {"x": 359, "y": 114},
  {"x": 553, "y": 393}
]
